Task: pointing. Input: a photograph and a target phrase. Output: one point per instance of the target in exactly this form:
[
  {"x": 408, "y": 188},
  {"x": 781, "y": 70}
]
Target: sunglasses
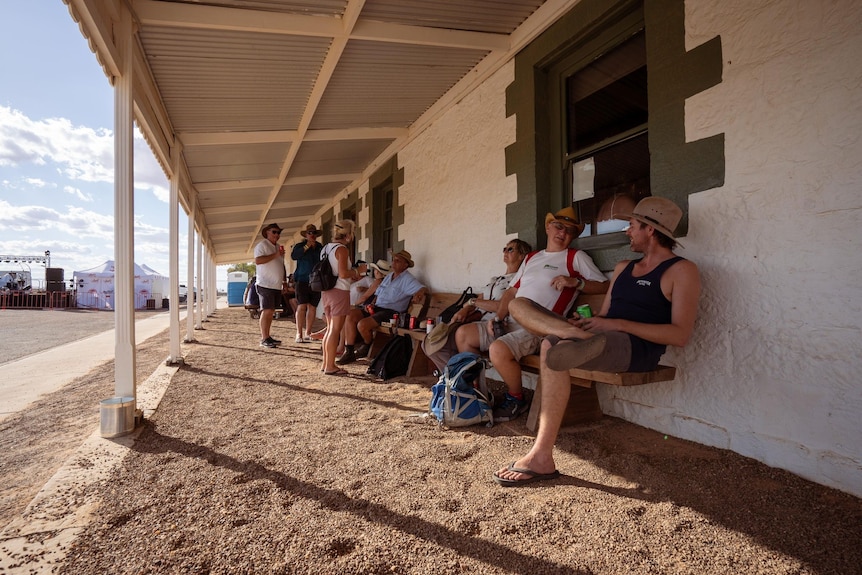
[
  {"x": 276, "y": 232},
  {"x": 508, "y": 250},
  {"x": 568, "y": 229}
]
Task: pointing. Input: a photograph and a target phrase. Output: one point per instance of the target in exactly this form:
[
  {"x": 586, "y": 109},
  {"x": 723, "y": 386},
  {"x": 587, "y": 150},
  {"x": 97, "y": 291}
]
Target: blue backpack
[{"x": 455, "y": 400}]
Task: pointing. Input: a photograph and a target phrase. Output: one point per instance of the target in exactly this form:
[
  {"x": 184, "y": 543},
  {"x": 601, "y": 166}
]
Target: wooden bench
[
  {"x": 583, "y": 403},
  {"x": 434, "y": 305}
]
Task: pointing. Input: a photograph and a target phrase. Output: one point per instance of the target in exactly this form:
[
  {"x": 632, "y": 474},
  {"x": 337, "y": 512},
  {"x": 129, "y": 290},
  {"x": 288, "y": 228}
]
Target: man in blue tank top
[{"x": 651, "y": 303}]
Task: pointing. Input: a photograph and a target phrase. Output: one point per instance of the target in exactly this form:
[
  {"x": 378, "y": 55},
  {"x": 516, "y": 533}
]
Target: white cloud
[
  {"x": 76, "y": 221},
  {"x": 85, "y": 154},
  {"x": 36, "y": 182},
  {"x": 82, "y": 153},
  {"x": 78, "y": 193}
]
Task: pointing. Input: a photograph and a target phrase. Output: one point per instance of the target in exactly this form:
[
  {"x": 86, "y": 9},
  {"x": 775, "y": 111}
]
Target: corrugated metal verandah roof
[{"x": 283, "y": 105}]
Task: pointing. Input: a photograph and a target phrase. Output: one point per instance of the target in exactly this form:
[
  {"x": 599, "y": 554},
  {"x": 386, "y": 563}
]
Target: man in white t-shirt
[
  {"x": 271, "y": 279},
  {"x": 552, "y": 278}
]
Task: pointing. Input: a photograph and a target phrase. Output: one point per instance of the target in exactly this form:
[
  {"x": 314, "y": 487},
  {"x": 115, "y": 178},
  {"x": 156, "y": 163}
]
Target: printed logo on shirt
[
  {"x": 644, "y": 283},
  {"x": 550, "y": 267}
]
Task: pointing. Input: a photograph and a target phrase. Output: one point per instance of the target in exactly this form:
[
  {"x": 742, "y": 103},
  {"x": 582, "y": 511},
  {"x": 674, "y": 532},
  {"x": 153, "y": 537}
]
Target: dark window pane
[{"x": 607, "y": 143}]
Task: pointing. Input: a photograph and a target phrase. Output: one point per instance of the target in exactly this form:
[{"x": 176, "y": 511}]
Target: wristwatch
[
  {"x": 581, "y": 283},
  {"x": 471, "y": 302}
]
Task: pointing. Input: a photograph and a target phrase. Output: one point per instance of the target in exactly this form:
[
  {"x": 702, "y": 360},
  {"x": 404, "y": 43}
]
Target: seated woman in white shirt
[{"x": 468, "y": 336}]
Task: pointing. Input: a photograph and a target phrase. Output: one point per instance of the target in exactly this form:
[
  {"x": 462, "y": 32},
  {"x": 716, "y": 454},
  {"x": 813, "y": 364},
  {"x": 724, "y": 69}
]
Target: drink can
[
  {"x": 370, "y": 309},
  {"x": 429, "y": 326},
  {"x": 584, "y": 310},
  {"x": 412, "y": 322},
  {"x": 395, "y": 319}
]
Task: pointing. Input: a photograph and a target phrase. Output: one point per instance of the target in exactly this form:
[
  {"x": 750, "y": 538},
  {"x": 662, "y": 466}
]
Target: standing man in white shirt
[{"x": 271, "y": 279}]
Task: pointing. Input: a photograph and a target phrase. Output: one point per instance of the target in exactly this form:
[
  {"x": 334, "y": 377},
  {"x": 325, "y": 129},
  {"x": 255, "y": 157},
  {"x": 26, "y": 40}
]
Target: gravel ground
[{"x": 255, "y": 462}]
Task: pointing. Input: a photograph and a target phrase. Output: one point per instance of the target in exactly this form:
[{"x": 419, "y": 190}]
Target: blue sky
[{"x": 56, "y": 151}]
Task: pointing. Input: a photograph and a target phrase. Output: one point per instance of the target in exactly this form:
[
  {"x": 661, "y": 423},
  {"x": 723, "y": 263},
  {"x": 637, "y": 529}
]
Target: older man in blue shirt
[{"x": 395, "y": 294}]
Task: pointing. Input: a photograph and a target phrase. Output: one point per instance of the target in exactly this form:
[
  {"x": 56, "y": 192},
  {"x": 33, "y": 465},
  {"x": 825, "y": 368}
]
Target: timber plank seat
[
  {"x": 434, "y": 305},
  {"x": 583, "y": 403}
]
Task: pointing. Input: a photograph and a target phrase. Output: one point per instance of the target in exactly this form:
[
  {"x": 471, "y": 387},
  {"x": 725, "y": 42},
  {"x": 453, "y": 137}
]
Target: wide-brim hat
[
  {"x": 438, "y": 336},
  {"x": 660, "y": 213},
  {"x": 405, "y": 255},
  {"x": 382, "y": 266},
  {"x": 568, "y": 217},
  {"x": 310, "y": 229},
  {"x": 270, "y": 227}
]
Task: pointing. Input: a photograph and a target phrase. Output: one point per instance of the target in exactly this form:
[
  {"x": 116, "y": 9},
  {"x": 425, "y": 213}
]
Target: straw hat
[
  {"x": 312, "y": 230},
  {"x": 439, "y": 335},
  {"x": 270, "y": 227},
  {"x": 405, "y": 255},
  {"x": 382, "y": 266},
  {"x": 566, "y": 216},
  {"x": 660, "y": 213}
]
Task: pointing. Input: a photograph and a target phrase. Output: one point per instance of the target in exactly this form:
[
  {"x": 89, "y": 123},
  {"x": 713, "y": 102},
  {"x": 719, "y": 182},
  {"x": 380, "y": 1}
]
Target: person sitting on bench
[
  {"x": 651, "y": 303},
  {"x": 552, "y": 278},
  {"x": 396, "y": 292}
]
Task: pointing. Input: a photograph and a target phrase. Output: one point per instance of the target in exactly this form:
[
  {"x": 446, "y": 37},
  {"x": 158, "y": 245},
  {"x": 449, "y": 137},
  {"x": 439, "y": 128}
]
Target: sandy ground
[{"x": 255, "y": 462}]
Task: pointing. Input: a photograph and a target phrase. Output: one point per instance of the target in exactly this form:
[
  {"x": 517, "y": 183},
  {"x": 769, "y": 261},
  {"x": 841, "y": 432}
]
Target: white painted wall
[
  {"x": 455, "y": 190},
  {"x": 774, "y": 370}
]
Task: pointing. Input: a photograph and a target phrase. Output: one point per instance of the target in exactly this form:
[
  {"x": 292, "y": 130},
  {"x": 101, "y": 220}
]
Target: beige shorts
[{"x": 521, "y": 342}]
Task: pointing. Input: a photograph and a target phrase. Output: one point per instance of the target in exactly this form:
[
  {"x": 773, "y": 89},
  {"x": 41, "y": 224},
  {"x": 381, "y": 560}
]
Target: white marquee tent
[{"x": 95, "y": 286}]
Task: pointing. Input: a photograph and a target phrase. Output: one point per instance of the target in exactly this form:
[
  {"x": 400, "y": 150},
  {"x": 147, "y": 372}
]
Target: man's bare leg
[
  {"x": 366, "y": 329},
  {"x": 539, "y": 321},
  {"x": 310, "y": 316},
  {"x": 556, "y": 388},
  {"x": 467, "y": 337},
  {"x": 300, "y": 316},
  {"x": 265, "y": 322},
  {"x": 349, "y": 328},
  {"x": 508, "y": 368}
]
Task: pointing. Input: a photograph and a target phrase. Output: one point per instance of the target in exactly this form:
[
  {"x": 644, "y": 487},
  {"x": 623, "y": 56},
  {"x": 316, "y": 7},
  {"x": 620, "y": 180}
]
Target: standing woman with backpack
[{"x": 336, "y": 301}]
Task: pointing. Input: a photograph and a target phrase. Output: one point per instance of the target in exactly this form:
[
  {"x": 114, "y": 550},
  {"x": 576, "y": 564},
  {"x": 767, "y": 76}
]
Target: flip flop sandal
[
  {"x": 532, "y": 476},
  {"x": 337, "y": 372}
]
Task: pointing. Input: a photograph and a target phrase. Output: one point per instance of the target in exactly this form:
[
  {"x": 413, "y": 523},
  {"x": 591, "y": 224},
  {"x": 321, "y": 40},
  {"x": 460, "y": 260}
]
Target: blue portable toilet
[{"x": 236, "y": 282}]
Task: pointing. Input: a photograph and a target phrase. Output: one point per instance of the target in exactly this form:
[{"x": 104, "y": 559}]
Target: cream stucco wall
[
  {"x": 455, "y": 190},
  {"x": 773, "y": 370}
]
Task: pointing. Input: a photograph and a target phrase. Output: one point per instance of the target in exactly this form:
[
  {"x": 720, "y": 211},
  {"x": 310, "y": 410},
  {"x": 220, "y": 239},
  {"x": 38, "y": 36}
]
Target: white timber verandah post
[
  {"x": 205, "y": 285},
  {"x": 124, "y": 213},
  {"x": 213, "y": 297},
  {"x": 175, "y": 355},
  {"x": 190, "y": 271},
  {"x": 199, "y": 303},
  {"x": 210, "y": 289},
  {"x": 214, "y": 288}
]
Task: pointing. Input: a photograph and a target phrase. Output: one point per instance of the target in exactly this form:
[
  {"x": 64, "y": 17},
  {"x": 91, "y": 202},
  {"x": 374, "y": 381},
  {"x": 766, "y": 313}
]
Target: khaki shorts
[
  {"x": 521, "y": 342},
  {"x": 486, "y": 336}
]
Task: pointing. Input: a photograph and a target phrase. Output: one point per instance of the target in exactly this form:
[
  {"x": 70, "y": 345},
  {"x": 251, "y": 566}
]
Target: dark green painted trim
[
  {"x": 387, "y": 171},
  {"x": 677, "y": 168}
]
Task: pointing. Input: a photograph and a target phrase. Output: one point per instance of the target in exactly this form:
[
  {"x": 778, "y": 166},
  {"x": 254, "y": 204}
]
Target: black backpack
[
  {"x": 394, "y": 359},
  {"x": 321, "y": 277}
]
